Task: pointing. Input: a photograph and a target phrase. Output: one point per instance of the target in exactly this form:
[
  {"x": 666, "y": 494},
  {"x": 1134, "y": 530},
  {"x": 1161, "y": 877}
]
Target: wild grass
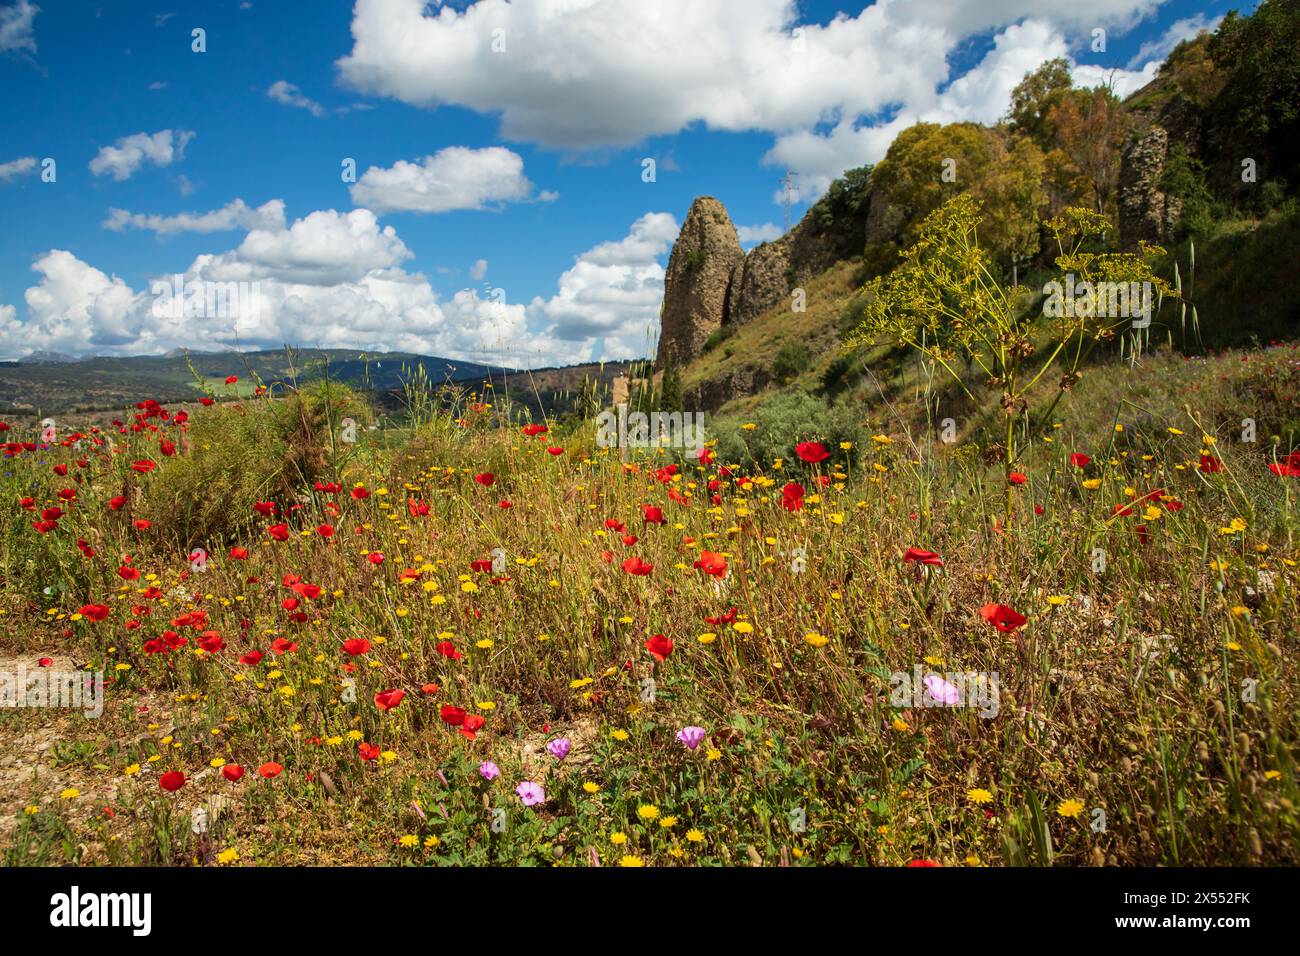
[{"x": 1146, "y": 711}]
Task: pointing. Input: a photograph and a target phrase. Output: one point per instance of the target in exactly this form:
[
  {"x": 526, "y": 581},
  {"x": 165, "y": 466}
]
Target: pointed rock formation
[
  {"x": 711, "y": 283},
  {"x": 704, "y": 263}
]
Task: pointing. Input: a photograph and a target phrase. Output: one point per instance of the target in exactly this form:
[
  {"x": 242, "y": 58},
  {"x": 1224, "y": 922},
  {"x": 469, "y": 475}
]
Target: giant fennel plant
[{"x": 945, "y": 301}]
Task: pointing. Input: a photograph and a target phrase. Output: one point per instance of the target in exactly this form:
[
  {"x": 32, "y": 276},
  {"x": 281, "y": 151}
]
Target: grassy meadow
[{"x": 463, "y": 638}]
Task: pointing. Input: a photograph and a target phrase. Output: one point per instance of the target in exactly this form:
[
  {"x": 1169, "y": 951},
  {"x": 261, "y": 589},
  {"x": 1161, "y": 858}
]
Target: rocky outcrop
[
  {"x": 764, "y": 281},
  {"x": 1146, "y": 213},
  {"x": 734, "y": 382},
  {"x": 711, "y": 283},
  {"x": 704, "y": 261}
]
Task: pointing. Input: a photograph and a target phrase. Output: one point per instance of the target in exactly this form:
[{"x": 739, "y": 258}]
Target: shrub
[
  {"x": 790, "y": 361},
  {"x": 782, "y": 421},
  {"x": 239, "y": 454}
]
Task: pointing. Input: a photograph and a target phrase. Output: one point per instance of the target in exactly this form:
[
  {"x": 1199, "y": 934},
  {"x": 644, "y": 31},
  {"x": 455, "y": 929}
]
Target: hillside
[
  {"x": 1165, "y": 166},
  {"x": 45, "y": 384}
]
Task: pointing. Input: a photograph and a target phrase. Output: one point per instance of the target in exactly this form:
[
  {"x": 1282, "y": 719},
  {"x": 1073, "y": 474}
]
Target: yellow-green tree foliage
[{"x": 929, "y": 164}]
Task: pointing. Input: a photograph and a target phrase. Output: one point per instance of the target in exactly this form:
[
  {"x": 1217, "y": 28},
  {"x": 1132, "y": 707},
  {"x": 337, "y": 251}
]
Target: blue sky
[{"x": 497, "y": 147}]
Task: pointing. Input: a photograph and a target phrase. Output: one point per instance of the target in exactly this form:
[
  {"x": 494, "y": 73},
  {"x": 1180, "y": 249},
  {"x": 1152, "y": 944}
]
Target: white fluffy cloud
[
  {"x": 129, "y": 153},
  {"x": 333, "y": 279},
  {"x": 753, "y": 235},
  {"x": 325, "y": 248},
  {"x": 607, "y": 305},
  {"x": 980, "y": 95},
  {"x": 453, "y": 178},
  {"x": 235, "y": 214},
  {"x": 288, "y": 94},
  {"x": 16, "y": 27},
  {"x": 18, "y": 167},
  {"x": 579, "y": 75},
  {"x": 1121, "y": 82},
  {"x": 479, "y": 269}
]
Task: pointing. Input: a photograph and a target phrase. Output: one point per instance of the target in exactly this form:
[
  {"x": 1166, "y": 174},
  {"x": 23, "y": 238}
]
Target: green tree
[
  {"x": 1012, "y": 195},
  {"x": 1034, "y": 98},
  {"x": 928, "y": 164},
  {"x": 1261, "y": 96},
  {"x": 1089, "y": 127}
]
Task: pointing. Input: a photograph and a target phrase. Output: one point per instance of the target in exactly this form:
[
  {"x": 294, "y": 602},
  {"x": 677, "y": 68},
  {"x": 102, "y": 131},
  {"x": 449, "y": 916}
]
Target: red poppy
[
  {"x": 923, "y": 863},
  {"x": 232, "y": 772},
  {"x": 1016, "y": 478},
  {"x": 1210, "y": 465},
  {"x": 265, "y": 508},
  {"x": 453, "y": 715},
  {"x": 792, "y": 496},
  {"x": 325, "y": 530},
  {"x": 660, "y": 647},
  {"x": 811, "y": 452},
  {"x": 172, "y": 781},
  {"x": 555, "y": 451},
  {"x": 252, "y": 658},
  {"x": 356, "y": 646},
  {"x": 368, "y": 751},
  {"x": 144, "y": 466},
  {"x": 1079, "y": 460},
  {"x": 470, "y": 727},
  {"x": 211, "y": 642},
  {"x": 232, "y": 379},
  {"x": 95, "y": 612},
  {"x": 238, "y": 553},
  {"x": 1289, "y": 467},
  {"x": 448, "y": 649},
  {"x": 486, "y": 479},
  {"x": 534, "y": 430},
  {"x": 711, "y": 562},
  {"x": 652, "y": 514},
  {"x": 389, "y": 699},
  {"x": 723, "y": 618},
  {"x": 923, "y": 557},
  {"x": 375, "y": 557},
  {"x": 359, "y": 494},
  {"x": 45, "y": 662},
  {"x": 280, "y": 532},
  {"x": 269, "y": 769},
  {"x": 634, "y": 565},
  {"x": 1002, "y": 617}
]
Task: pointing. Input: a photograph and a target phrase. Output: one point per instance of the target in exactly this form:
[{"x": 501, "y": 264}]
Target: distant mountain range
[{"x": 51, "y": 382}]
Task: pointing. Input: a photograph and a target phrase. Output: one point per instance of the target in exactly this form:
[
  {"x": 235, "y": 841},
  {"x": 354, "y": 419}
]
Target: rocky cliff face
[
  {"x": 701, "y": 269},
  {"x": 711, "y": 283},
  {"x": 1145, "y": 212}
]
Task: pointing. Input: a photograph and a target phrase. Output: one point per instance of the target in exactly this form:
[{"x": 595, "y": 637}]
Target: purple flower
[
  {"x": 530, "y": 793},
  {"x": 558, "y": 748},
  {"x": 942, "y": 692},
  {"x": 489, "y": 770},
  {"x": 691, "y": 736}
]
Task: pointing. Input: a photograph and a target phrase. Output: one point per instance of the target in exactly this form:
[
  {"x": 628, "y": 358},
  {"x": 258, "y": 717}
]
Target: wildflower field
[{"x": 468, "y": 638}]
